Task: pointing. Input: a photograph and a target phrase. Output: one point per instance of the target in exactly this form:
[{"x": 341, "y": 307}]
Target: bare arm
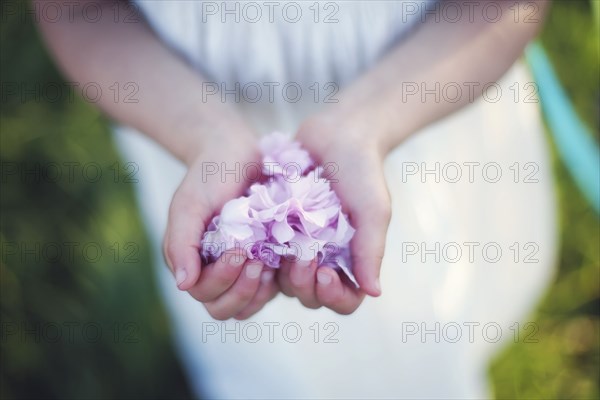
[
  {"x": 171, "y": 110},
  {"x": 170, "y": 107},
  {"x": 471, "y": 52},
  {"x": 375, "y": 114}
]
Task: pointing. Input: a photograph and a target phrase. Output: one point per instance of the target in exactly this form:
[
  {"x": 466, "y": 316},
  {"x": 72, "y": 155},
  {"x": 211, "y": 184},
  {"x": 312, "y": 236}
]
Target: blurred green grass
[
  {"x": 134, "y": 357},
  {"x": 114, "y": 296},
  {"x": 564, "y": 364}
]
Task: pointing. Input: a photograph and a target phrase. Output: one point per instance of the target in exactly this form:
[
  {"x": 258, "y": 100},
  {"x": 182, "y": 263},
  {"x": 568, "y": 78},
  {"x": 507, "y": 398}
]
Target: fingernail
[
  {"x": 378, "y": 285},
  {"x": 180, "y": 276},
  {"x": 253, "y": 270},
  {"x": 267, "y": 276},
  {"x": 323, "y": 278}
]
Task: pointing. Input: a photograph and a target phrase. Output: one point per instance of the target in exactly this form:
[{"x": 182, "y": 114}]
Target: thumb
[{"x": 369, "y": 210}]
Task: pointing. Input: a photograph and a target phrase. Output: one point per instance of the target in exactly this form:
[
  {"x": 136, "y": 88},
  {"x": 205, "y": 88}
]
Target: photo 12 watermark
[
  {"x": 269, "y": 92},
  {"x": 71, "y": 11},
  {"x": 468, "y": 332},
  {"x": 67, "y": 172},
  {"x": 470, "y": 172},
  {"x": 252, "y": 12},
  {"x": 269, "y": 332},
  {"x": 255, "y": 172},
  {"x": 468, "y": 92},
  {"x": 470, "y": 252},
  {"x": 86, "y": 252},
  {"x": 55, "y": 92},
  {"x": 471, "y": 11},
  {"x": 68, "y": 332}
]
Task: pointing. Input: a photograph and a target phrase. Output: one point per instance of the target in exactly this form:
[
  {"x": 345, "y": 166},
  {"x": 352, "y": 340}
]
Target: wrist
[
  {"x": 336, "y": 129},
  {"x": 226, "y": 149},
  {"x": 223, "y": 134}
]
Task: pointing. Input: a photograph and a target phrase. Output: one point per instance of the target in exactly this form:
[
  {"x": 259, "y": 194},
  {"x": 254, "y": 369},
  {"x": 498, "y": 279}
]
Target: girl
[{"x": 422, "y": 107}]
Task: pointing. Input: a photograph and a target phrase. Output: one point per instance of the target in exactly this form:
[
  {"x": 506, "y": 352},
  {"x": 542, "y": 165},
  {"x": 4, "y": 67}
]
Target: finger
[
  {"x": 370, "y": 212},
  {"x": 238, "y": 296},
  {"x": 302, "y": 281},
  {"x": 266, "y": 291},
  {"x": 334, "y": 294},
  {"x": 367, "y": 249},
  {"x": 283, "y": 278},
  {"x": 219, "y": 276},
  {"x": 182, "y": 242}
]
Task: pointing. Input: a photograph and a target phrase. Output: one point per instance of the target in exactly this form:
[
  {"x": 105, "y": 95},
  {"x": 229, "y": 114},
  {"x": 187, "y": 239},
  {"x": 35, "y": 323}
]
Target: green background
[{"x": 115, "y": 292}]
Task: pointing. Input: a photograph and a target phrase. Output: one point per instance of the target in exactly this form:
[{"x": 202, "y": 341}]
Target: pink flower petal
[{"x": 284, "y": 216}]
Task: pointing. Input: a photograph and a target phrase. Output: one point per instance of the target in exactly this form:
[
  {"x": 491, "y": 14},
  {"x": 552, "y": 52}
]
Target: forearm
[
  {"x": 470, "y": 52},
  {"x": 169, "y": 106}
]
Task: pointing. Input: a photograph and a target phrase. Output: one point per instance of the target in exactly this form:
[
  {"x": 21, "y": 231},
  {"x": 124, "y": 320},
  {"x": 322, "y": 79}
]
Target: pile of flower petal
[{"x": 291, "y": 212}]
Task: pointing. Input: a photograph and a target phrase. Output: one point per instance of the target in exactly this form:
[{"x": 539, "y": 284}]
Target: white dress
[{"x": 436, "y": 326}]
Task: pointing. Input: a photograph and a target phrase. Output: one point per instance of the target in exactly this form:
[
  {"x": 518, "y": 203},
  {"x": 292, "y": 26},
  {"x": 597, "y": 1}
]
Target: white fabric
[{"x": 375, "y": 356}]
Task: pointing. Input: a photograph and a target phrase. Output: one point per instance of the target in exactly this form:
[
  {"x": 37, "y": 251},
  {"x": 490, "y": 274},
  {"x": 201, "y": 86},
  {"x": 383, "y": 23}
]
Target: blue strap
[{"x": 574, "y": 140}]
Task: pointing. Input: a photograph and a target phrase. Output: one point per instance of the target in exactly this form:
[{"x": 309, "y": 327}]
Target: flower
[
  {"x": 284, "y": 157},
  {"x": 231, "y": 229},
  {"x": 282, "y": 217}
]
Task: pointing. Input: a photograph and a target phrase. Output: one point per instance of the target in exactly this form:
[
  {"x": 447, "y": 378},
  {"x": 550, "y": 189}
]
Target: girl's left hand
[{"x": 354, "y": 160}]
